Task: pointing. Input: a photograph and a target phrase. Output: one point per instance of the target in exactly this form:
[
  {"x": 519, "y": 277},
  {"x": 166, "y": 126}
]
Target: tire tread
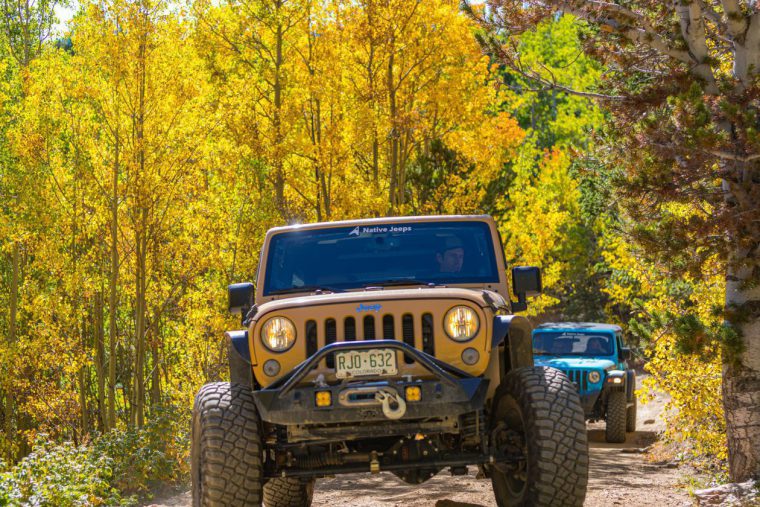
[
  {"x": 227, "y": 447},
  {"x": 556, "y": 427},
  {"x": 616, "y": 418}
]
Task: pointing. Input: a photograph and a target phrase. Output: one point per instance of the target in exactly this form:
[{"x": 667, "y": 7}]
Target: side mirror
[
  {"x": 625, "y": 354},
  {"x": 526, "y": 282},
  {"x": 240, "y": 297}
]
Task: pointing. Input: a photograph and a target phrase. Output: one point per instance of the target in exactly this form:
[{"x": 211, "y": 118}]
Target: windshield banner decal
[{"x": 379, "y": 229}]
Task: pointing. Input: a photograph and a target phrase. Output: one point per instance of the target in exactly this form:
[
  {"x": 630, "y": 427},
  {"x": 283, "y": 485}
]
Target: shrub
[
  {"x": 156, "y": 453},
  {"x": 59, "y": 476}
]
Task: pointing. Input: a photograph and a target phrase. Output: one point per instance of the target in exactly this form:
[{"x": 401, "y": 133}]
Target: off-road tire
[
  {"x": 630, "y": 417},
  {"x": 542, "y": 406},
  {"x": 288, "y": 492},
  {"x": 616, "y": 417},
  {"x": 226, "y": 448}
]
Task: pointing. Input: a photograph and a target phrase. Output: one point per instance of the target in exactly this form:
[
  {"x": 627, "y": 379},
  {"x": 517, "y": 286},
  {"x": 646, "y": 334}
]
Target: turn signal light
[
  {"x": 413, "y": 393},
  {"x": 323, "y": 398}
]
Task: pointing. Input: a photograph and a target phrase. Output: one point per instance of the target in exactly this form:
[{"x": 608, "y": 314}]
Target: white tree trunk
[{"x": 741, "y": 376}]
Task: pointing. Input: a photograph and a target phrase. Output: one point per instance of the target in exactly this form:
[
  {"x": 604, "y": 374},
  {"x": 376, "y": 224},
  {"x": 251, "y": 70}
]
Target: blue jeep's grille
[{"x": 579, "y": 378}]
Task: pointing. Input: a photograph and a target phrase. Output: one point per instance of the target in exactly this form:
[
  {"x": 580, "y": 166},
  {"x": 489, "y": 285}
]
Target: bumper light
[
  {"x": 413, "y": 393},
  {"x": 323, "y": 398},
  {"x": 615, "y": 380}
]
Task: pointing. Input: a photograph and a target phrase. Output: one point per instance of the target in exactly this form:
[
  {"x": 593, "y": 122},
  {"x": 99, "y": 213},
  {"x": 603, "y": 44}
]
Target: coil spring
[
  {"x": 319, "y": 460},
  {"x": 472, "y": 424}
]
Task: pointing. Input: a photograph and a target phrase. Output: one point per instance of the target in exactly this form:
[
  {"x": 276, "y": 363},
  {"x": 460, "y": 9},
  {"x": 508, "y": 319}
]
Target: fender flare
[
  {"x": 514, "y": 332},
  {"x": 630, "y": 384},
  {"x": 238, "y": 341},
  {"x": 611, "y": 385}
]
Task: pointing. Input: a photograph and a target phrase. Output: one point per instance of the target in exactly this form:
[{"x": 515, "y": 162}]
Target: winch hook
[{"x": 394, "y": 406}]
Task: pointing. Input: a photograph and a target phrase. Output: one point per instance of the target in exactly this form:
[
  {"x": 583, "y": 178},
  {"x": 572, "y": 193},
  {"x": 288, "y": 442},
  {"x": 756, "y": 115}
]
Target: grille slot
[
  {"x": 311, "y": 338},
  {"x": 388, "y": 332},
  {"x": 349, "y": 326},
  {"x": 369, "y": 327},
  {"x": 428, "y": 344},
  {"x": 331, "y": 336},
  {"x": 407, "y": 334},
  {"x": 578, "y": 377}
]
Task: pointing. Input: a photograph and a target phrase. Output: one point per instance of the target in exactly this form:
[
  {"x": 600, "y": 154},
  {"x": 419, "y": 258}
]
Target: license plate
[{"x": 359, "y": 363}]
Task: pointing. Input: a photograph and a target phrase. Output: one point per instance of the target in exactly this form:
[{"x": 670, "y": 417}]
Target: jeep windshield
[
  {"x": 573, "y": 343},
  {"x": 355, "y": 257}
]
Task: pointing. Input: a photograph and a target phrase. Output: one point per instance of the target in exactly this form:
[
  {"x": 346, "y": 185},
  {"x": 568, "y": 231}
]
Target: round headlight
[
  {"x": 461, "y": 323},
  {"x": 594, "y": 377},
  {"x": 278, "y": 334}
]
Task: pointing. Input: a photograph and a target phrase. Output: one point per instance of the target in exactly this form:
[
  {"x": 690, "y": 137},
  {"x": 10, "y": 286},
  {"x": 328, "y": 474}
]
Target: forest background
[{"x": 145, "y": 151}]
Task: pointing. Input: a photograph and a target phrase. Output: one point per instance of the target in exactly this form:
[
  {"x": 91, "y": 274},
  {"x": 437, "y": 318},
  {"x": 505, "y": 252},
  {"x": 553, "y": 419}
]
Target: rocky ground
[{"x": 620, "y": 474}]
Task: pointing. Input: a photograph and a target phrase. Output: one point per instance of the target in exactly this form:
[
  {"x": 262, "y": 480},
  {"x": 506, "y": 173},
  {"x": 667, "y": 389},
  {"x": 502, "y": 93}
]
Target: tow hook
[{"x": 394, "y": 406}]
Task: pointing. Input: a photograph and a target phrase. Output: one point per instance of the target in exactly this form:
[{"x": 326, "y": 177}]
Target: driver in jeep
[{"x": 450, "y": 257}]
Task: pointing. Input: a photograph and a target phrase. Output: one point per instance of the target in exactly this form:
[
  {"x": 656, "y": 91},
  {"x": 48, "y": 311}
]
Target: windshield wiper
[
  {"x": 401, "y": 281},
  {"x": 319, "y": 289}
]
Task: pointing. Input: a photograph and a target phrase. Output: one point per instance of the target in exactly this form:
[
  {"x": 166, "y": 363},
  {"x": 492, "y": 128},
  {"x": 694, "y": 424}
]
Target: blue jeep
[{"x": 593, "y": 357}]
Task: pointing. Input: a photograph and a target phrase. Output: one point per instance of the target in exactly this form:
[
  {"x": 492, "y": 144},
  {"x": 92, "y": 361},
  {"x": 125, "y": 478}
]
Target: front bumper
[{"x": 450, "y": 394}]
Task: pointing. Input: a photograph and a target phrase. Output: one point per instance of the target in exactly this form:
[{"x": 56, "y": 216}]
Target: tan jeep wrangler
[{"x": 386, "y": 345}]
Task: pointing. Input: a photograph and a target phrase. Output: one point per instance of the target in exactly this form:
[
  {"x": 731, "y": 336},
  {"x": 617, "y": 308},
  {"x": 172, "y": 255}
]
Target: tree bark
[
  {"x": 10, "y": 400},
  {"x": 279, "y": 167},
  {"x": 394, "y": 133},
  {"x": 113, "y": 288},
  {"x": 741, "y": 370},
  {"x": 155, "y": 372},
  {"x": 141, "y": 247},
  {"x": 100, "y": 359}
]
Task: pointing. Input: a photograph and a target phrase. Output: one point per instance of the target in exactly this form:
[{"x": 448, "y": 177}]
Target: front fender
[
  {"x": 237, "y": 341},
  {"x": 515, "y": 333}
]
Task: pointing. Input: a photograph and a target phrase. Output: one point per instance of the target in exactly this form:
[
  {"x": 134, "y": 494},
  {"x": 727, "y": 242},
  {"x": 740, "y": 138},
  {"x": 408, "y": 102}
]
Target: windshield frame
[{"x": 499, "y": 286}]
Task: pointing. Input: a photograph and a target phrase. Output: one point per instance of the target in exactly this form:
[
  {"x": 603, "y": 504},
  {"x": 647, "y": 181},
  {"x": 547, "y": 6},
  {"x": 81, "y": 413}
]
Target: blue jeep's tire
[
  {"x": 226, "y": 451},
  {"x": 630, "y": 417},
  {"x": 616, "y": 417},
  {"x": 537, "y": 411}
]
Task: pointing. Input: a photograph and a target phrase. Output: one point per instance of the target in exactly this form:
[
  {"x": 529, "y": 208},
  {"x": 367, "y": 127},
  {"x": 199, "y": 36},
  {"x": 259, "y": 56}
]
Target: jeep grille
[
  {"x": 329, "y": 331},
  {"x": 579, "y": 378}
]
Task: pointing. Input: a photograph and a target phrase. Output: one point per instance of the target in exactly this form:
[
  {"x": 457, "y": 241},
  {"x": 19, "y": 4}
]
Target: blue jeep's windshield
[
  {"x": 342, "y": 258},
  {"x": 573, "y": 343}
]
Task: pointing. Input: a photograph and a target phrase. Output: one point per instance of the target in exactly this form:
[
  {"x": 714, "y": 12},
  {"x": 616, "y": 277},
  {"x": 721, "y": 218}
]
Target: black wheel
[
  {"x": 537, "y": 414},
  {"x": 630, "y": 417},
  {"x": 616, "y": 415},
  {"x": 226, "y": 448},
  {"x": 288, "y": 492}
]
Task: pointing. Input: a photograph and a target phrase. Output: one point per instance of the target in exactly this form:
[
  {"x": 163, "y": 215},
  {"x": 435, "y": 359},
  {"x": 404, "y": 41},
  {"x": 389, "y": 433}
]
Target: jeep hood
[
  {"x": 577, "y": 363},
  {"x": 369, "y": 298}
]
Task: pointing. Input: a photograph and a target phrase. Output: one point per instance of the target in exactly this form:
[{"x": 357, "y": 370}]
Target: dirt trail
[
  {"x": 619, "y": 475},
  {"x": 616, "y": 478}
]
